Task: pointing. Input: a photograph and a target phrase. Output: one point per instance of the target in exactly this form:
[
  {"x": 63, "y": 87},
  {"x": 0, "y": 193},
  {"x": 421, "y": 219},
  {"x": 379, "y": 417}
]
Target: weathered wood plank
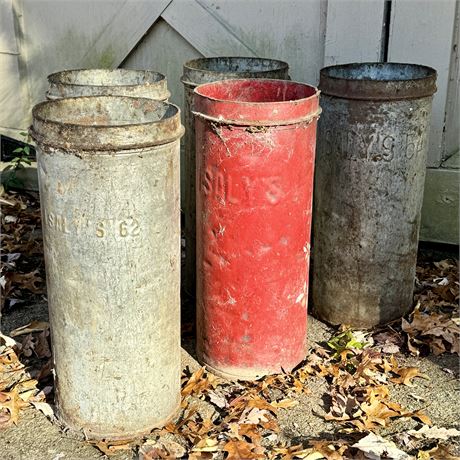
[
  {"x": 130, "y": 23},
  {"x": 56, "y": 35},
  {"x": 440, "y": 217},
  {"x": 7, "y": 34},
  {"x": 13, "y": 106},
  {"x": 292, "y": 31},
  {"x": 204, "y": 30},
  {"x": 13, "y": 100},
  {"x": 164, "y": 50},
  {"x": 353, "y": 31},
  {"x": 421, "y": 32},
  {"x": 451, "y": 134}
]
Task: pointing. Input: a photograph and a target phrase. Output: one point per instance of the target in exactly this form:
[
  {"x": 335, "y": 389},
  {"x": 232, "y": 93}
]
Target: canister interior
[
  {"x": 106, "y": 111},
  {"x": 106, "y": 77},
  {"x": 236, "y": 64},
  {"x": 379, "y": 72},
  {"x": 256, "y": 91}
]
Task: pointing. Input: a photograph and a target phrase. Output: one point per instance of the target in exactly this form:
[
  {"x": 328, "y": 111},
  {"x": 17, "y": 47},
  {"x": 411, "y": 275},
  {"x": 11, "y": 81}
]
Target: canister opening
[
  {"x": 377, "y": 81},
  {"x": 105, "y": 123},
  {"x": 104, "y": 111},
  {"x": 257, "y": 102},
  {"x": 235, "y": 64},
  {"x": 256, "y": 91},
  {"x": 387, "y": 71},
  {"x": 106, "y": 77}
]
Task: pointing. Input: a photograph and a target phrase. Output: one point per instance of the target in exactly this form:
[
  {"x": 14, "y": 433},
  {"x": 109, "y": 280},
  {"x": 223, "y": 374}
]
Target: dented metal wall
[
  {"x": 109, "y": 188},
  {"x": 255, "y": 160},
  {"x": 370, "y": 173}
]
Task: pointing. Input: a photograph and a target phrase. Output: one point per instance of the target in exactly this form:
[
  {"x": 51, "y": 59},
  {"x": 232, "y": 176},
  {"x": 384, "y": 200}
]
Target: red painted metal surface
[{"x": 255, "y": 144}]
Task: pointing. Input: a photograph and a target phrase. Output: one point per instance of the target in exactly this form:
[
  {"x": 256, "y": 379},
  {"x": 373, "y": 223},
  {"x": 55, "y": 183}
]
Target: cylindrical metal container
[
  {"x": 370, "y": 172},
  {"x": 255, "y": 157},
  {"x": 108, "y": 171},
  {"x": 108, "y": 82},
  {"x": 197, "y": 72}
]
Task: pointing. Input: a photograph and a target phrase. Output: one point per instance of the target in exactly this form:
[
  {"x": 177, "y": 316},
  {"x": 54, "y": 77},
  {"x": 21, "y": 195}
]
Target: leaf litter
[{"x": 358, "y": 367}]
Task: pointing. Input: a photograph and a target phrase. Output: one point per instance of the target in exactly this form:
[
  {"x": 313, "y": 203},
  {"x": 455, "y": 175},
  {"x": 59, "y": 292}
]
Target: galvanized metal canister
[
  {"x": 255, "y": 144},
  {"x": 370, "y": 172},
  {"x": 197, "y": 72},
  {"x": 108, "y": 82},
  {"x": 108, "y": 171}
]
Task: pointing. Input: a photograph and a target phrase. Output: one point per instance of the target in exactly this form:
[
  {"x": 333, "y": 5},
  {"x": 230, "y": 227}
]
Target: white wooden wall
[{"x": 38, "y": 37}]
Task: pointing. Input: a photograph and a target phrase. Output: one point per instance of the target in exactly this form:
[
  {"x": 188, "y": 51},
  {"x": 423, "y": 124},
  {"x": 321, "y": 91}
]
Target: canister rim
[
  {"x": 56, "y": 77},
  {"x": 252, "y": 82},
  {"x": 55, "y": 128},
  {"x": 378, "y": 81},
  {"x": 193, "y": 73},
  {"x": 257, "y": 113}
]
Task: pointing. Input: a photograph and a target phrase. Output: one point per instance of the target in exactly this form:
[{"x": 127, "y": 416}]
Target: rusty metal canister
[
  {"x": 370, "y": 172},
  {"x": 197, "y": 72},
  {"x": 255, "y": 143},
  {"x": 108, "y": 82},
  {"x": 108, "y": 171}
]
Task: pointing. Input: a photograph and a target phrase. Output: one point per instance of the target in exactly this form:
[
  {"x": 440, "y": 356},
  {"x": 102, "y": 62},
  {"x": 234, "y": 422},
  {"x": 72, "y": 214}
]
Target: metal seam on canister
[
  {"x": 109, "y": 149},
  {"x": 304, "y": 120},
  {"x": 102, "y": 137}
]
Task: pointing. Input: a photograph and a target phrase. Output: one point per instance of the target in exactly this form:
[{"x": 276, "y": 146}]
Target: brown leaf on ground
[
  {"x": 437, "y": 453},
  {"x": 11, "y": 402},
  {"x": 344, "y": 406},
  {"x": 376, "y": 447},
  {"x": 406, "y": 374},
  {"x": 434, "y": 432},
  {"x": 245, "y": 431},
  {"x": 111, "y": 448},
  {"x": 199, "y": 382},
  {"x": 285, "y": 403},
  {"x": 330, "y": 450},
  {"x": 11, "y": 369},
  {"x": 389, "y": 341},
  {"x": 161, "y": 449},
  {"x": 242, "y": 450},
  {"x": 205, "y": 448},
  {"x": 30, "y": 281},
  {"x": 34, "y": 326},
  {"x": 42, "y": 348}
]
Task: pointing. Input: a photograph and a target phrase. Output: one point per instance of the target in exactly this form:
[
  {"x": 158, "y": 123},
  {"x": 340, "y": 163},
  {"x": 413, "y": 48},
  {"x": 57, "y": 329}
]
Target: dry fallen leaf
[
  {"x": 34, "y": 326},
  {"x": 285, "y": 403},
  {"x": 152, "y": 450},
  {"x": 112, "y": 448},
  {"x": 11, "y": 402},
  {"x": 406, "y": 374},
  {"x": 434, "y": 432},
  {"x": 45, "y": 408},
  {"x": 30, "y": 281},
  {"x": 375, "y": 448},
  {"x": 242, "y": 450}
]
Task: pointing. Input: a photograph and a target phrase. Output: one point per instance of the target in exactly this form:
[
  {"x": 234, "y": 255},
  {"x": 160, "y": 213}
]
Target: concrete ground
[{"x": 36, "y": 438}]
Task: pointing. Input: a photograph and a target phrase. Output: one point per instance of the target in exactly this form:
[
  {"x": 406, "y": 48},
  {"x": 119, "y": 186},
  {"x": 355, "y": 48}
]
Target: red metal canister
[{"x": 255, "y": 145}]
